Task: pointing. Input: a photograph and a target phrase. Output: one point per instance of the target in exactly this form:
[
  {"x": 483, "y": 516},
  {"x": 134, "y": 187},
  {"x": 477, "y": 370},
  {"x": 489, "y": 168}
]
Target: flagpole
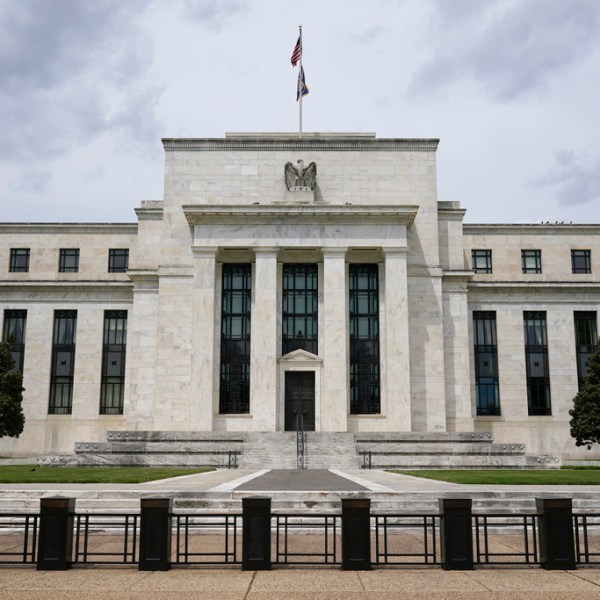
[{"x": 301, "y": 91}]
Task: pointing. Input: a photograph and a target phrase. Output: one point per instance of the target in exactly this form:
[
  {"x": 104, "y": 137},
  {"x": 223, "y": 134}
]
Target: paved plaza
[{"x": 298, "y": 582}]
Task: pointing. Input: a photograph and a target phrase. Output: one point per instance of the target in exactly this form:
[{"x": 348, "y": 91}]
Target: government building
[{"x": 285, "y": 279}]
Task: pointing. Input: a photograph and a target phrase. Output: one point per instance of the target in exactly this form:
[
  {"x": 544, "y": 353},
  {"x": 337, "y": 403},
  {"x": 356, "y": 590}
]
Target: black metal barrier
[
  {"x": 55, "y": 545},
  {"x": 356, "y": 534},
  {"x": 155, "y": 534},
  {"x": 455, "y": 538},
  {"x": 256, "y": 537},
  {"x": 557, "y": 543}
]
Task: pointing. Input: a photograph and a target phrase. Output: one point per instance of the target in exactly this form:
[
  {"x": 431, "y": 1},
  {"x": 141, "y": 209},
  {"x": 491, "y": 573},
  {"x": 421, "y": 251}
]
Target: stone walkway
[{"x": 299, "y": 584}]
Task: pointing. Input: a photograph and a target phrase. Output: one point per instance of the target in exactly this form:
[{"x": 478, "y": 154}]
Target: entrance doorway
[{"x": 300, "y": 399}]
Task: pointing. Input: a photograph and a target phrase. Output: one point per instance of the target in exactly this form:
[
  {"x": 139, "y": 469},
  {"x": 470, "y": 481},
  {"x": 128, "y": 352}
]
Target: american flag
[{"x": 297, "y": 53}]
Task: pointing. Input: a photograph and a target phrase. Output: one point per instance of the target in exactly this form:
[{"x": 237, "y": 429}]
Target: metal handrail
[{"x": 300, "y": 442}]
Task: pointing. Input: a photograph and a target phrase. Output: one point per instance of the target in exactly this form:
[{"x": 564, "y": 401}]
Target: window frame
[
  {"x": 535, "y": 329},
  {"x": 292, "y": 298},
  {"x": 68, "y": 253},
  {"x": 485, "y": 344},
  {"x": 113, "y": 254},
  {"x": 531, "y": 254},
  {"x": 586, "y": 256},
  {"x": 484, "y": 255},
  {"x": 14, "y": 266}
]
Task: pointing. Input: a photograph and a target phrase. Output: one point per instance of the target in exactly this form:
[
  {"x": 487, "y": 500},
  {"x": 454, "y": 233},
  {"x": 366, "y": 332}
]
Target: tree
[
  {"x": 12, "y": 419},
  {"x": 585, "y": 422}
]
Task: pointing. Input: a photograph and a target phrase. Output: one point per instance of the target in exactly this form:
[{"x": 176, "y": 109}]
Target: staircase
[
  {"x": 324, "y": 450},
  {"x": 464, "y": 450}
]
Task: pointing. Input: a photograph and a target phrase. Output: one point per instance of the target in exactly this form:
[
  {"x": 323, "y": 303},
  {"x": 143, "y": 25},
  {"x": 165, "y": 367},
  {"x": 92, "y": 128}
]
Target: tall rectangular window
[
  {"x": 14, "y": 333},
  {"x": 481, "y": 261},
  {"x": 581, "y": 261},
  {"x": 365, "y": 397},
  {"x": 19, "y": 260},
  {"x": 586, "y": 336},
  {"x": 234, "y": 392},
  {"x": 486, "y": 363},
  {"x": 300, "y": 308},
  {"x": 113, "y": 362},
  {"x": 63, "y": 362},
  {"x": 531, "y": 261},
  {"x": 118, "y": 260},
  {"x": 536, "y": 361},
  {"x": 68, "y": 261}
]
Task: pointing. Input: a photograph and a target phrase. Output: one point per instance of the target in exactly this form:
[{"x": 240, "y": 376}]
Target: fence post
[
  {"x": 55, "y": 543},
  {"x": 155, "y": 534},
  {"x": 356, "y": 534},
  {"x": 256, "y": 534},
  {"x": 456, "y": 534},
  {"x": 557, "y": 544}
]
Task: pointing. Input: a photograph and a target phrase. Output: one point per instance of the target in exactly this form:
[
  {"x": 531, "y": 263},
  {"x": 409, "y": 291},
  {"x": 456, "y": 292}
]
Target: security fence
[{"x": 353, "y": 538}]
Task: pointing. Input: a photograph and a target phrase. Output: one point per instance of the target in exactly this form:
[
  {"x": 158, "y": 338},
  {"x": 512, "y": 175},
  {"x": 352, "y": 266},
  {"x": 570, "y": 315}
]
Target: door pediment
[{"x": 300, "y": 356}]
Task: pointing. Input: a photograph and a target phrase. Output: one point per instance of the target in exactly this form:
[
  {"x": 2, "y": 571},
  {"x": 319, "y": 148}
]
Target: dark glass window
[
  {"x": 68, "y": 260},
  {"x": 118, "y": 260},
  {"x": 14, "y": 333},
  {"x": 586, "y": 336},
  {"x": 481, "y": 261},
  {"x": 19, "y": 260},
  {"x": 536, "y": 361},
  {"x": 531, "y": 261},
  {"x": 234, "y": 391},
  {"x": 63, "y": 362},
  {"x": 486, "y": 363},
  {"x": 581, "y": 261},
  {"x": 300, "y": 310},
  {"x": 113, "y": 362},
  {"x": 365, "y": 395}
]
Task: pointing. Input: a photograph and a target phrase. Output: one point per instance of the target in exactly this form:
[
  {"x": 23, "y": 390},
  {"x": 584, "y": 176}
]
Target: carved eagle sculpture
[{"x": 300, "y": 176}]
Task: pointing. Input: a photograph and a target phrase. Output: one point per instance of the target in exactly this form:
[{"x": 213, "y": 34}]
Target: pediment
[{"x": 300, "y": 356}]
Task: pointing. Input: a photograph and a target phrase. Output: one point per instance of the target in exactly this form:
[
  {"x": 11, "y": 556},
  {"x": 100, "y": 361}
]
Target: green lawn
[
  {"x": 564, "y": 476},
  {"x": 35, "y": 474}
]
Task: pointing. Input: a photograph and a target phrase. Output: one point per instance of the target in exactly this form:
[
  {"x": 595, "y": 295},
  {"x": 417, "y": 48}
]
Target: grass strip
[
  {"x": 36, "y": 474},
  {"x": 563, "y": 476}
]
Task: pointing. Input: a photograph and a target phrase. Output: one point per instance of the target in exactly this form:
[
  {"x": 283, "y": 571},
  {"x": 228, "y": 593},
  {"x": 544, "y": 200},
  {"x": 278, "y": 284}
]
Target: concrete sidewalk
[{"x": 301, "y": 584}]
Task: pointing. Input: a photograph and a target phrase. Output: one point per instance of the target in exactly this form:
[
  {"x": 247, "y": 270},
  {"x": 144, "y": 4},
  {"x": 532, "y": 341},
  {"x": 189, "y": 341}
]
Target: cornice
[
  {"x": 310, "y": 215},
  {"x": 321, "y": 142},
  {"x": 457, "y": 276},
  {"x": 538, "y": 286},
  {"x": 529, "y": 228},
  {"x": 46, "y": 228}
]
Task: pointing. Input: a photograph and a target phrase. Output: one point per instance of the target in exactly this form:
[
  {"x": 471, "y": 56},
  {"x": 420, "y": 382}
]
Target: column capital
[
  {"x": 392, "y": 250},
  {"x": 266, "y": 251},
  {"x": 334, "y": 251},
  {"x": 204, "y": 251}
]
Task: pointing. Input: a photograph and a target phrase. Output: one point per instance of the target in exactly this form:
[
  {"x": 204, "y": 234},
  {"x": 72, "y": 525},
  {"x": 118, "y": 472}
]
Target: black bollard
[
  {"x": 155, "y": 534},
  {"x": 557, "y": 543},
  {"x": 256, "y": 540},
  {"x": 55, "y": 545},
  {"x": 456, "y": 534},
  {"x": 356, "y": 534}
]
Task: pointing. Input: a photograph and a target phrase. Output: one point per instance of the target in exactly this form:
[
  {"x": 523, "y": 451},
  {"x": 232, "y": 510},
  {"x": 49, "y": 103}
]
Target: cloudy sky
[{"x": 89, "y": 87}]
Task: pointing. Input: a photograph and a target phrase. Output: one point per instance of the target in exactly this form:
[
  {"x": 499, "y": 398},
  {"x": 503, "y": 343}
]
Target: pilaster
[
  {"x": 334, "y": 341},
  {"x": 263, "y": 340},
  {"x": 396, "y": 340},
  {"x": 204, "y": 387}
]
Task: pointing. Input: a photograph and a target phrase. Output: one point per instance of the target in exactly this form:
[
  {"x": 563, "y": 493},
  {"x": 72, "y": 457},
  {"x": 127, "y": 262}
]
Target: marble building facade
[{"x": 355, "y": 299}]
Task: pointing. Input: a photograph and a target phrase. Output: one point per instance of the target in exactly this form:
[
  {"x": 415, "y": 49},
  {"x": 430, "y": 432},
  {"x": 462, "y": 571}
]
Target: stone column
[
  {"x": 395, "y": 342},
  {"x": 263, "y": 341},
  {"x": 334, "y": 341},
  {"x": 142, "y": 341},
  {"x": 204, "y": 387}
]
